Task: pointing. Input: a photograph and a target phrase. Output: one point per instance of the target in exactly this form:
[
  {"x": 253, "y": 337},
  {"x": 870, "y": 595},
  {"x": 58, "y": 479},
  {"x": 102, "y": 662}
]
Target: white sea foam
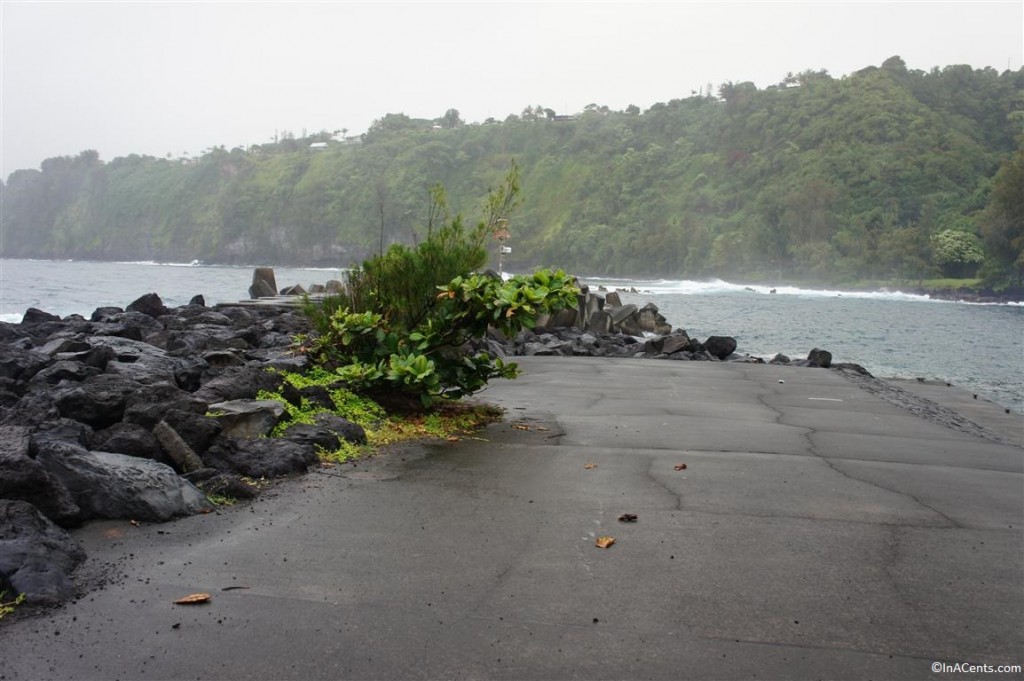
[
  {"x": 11, "y": 318},
  {"x": 717, "y": 286}
]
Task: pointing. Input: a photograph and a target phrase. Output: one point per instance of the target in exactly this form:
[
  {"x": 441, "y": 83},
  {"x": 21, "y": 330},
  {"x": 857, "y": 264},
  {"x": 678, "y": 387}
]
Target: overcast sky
[{"x": 157, "y": 78}]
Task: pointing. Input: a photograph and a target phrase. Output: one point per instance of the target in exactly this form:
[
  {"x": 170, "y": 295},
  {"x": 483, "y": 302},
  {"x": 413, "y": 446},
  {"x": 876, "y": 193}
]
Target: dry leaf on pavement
[
  {"x": 680, "y": 466},
  {"x": 604, "y": 542},
  {"x": 588, "y": 465},
  {"x": 627, "y": 518},
  {"x": 193, "y": 599}
]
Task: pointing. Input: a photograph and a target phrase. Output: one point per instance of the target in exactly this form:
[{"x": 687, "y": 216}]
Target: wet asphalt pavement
[{"x": 816, "y": 531}]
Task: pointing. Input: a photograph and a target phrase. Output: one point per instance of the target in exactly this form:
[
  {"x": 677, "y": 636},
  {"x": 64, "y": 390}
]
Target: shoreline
[{"x": 982, "y": 296}]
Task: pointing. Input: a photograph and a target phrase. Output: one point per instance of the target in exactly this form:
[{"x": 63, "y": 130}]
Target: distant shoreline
[{"x": 965, "y": 295}]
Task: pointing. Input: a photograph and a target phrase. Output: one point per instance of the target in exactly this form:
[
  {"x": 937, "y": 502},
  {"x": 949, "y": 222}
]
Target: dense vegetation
[
  {"x": 885, "y": 173},
  {"x": 401, "y": 325}
]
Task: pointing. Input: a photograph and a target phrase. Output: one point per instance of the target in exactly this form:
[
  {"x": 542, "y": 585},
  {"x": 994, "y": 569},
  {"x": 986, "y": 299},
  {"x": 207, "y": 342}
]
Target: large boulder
[
  {"x": 104, "y": 314},
  {"x": 34, "y": 316},
  {"x": 151, "y": 404},
  {"x": 98, "y": 401},
  {"x": 620, "y": 313},
  {"x": 23, "y": 477},
  {"x": 262, "y": 458},
  {"x": 821, "y": 358},
  {"x": 720, "y": 346},
  {"x": 599, "y": 321},
  {"x": 110, "y": 485},
  {"x": 128, "y": 438},
  {"x": 62, "y": 344},
  {"x": 247, "y": 418},
  {"x": 312, "y": 436},
  {"x": 65, "y": 370},
  {"x": 21, "y": 365},
  {"x": 677, "y": 342},
  {"x": 135, "y": 359},
  {"x": 236, "y": 383},
  {"x": 264, "y": 284},
  {"x": 150, "y": 304},
  {"x": 36, "y": 556},
  {"x": 132, "y": 325}
]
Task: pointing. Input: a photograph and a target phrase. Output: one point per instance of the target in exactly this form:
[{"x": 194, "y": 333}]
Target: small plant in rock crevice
[{"x": 8, "y": 607}]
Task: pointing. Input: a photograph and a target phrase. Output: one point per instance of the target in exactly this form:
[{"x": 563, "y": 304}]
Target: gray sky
[{"x": 155, "y": 77}]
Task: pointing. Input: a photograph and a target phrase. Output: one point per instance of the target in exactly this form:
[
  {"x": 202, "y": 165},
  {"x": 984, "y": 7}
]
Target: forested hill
[{"x": 885, "y": 173}]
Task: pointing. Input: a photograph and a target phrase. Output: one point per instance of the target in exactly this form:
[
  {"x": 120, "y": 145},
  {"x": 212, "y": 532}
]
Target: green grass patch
[
  {"x": 953, "y": 284},
  {"x": 940, "y": 284}
]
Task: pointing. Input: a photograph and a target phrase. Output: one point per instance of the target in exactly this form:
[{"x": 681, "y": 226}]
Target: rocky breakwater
[
  {"x": 602, "y": 326},
  {"x": 139, "y": 414}
]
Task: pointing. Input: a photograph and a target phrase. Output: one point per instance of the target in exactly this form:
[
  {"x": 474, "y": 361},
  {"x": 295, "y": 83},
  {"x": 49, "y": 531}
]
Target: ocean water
[{"x": 892, "y": 334}]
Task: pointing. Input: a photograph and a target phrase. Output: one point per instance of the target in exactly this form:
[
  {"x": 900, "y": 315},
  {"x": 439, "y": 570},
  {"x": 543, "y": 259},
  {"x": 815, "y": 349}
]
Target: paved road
[{"x": 817, "y": 531}]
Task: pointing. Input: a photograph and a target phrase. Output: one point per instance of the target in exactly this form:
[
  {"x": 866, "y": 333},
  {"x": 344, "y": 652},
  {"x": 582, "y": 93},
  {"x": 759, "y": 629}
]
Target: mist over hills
[{"x": 885, "y": 173}]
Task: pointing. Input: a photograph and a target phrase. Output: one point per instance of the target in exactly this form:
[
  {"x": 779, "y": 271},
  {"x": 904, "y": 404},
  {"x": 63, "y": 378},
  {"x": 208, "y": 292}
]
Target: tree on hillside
[
  {"x": 957, "y": 253},
  {"x": 451, "y": 119},
  {"x": 1002, "y": 225}
]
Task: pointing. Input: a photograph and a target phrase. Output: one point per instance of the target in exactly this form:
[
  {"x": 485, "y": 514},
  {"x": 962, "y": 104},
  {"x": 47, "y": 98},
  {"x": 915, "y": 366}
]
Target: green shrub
[
  {"x": 402, "y": 324},
  {"x": 431, "y": 360}
]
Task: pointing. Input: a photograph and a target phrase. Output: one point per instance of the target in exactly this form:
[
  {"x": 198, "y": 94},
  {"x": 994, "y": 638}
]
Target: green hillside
[{"x": 886, "y": 173}]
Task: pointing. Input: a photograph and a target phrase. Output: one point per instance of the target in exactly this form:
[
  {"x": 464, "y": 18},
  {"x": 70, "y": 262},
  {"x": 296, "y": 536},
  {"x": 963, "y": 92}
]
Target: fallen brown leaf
[
  {"x": 543, "y": 428},
  {"x": 453, "y": 438},
  {"x": 680, "y": 466},
  {"x": 193, "y": 599},
  {"x": 604, "y": 542},
  {"x": 627, "y": 518},
  {"x": 588, "y": 465},
  {"x": 520, "y": 427},
  {"x": 135, "y": 523}
]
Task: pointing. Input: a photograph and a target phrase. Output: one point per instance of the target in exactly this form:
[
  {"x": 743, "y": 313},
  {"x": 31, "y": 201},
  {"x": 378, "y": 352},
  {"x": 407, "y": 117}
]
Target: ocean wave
[
  {"x": 717, "y": 286},
  {"x": 11, "y": 318}
]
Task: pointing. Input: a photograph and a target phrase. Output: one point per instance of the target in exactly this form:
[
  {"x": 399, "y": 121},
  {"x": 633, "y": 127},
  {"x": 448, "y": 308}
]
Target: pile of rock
[
  {"x": 602, "y": 326},
  {"x": 139, "y": 413},
  {"x": 264, "y": 285}
]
